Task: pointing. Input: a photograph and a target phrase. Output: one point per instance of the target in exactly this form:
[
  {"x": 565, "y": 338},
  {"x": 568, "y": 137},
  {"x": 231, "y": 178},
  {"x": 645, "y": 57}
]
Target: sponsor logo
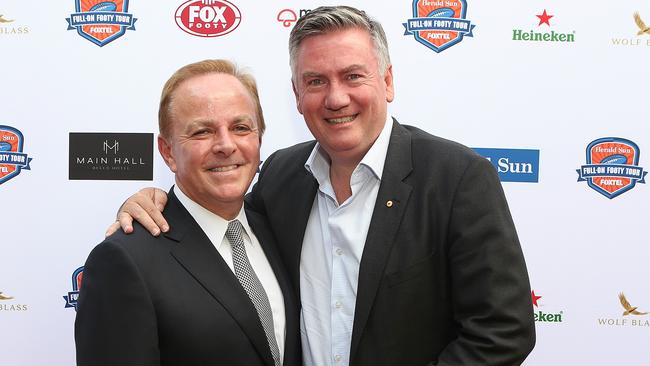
[
  {"x": 542, "y": 35},
  {"x": 101, "y": 22},
  {"x": 612, "y": 166},
  {"x": 513, "y": 165},
  {"x": 12, "y": 158},
  {"x": 439, "y": 24},
  {"x": 641, "y": 39},
  {"x": 208, "y": 18},
  {"x": 10, "y": 306},
  {"x": 73, "y": 296},
  {"x": 541, "y": 316},
  {"x": 8, "y": 26},
  {"x": 111, "y": 156},
  {"x": 630, "y": 317},
  {"x": 287, "y": 17}
]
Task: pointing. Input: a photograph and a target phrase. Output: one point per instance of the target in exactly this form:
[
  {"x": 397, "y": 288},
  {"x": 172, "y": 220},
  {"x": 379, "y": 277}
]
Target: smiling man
[
  {"x": 210, "y": 291},
  {"x": 400, "y": 243}
]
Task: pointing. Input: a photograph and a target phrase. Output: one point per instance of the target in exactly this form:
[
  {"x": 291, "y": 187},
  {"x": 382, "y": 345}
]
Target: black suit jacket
[
  {"x": 172, "y": 300},
  {"x": 442, "y": 277}
]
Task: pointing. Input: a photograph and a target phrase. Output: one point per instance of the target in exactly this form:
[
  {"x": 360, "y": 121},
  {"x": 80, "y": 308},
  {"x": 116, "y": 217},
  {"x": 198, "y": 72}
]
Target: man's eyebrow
[{"x": 354, "y": 67}]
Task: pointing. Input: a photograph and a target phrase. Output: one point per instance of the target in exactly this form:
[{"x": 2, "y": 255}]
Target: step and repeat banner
[{"x": 553, "y": 93}]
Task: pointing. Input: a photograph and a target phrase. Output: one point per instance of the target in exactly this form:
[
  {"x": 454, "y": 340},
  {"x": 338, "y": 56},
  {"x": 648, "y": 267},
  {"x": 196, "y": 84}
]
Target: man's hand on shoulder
[{"x": 145, "y": 207}]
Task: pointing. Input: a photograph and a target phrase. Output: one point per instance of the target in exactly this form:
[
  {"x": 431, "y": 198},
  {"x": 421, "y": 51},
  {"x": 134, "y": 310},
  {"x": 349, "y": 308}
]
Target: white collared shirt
[
  {"x": 331, "y": 254},
  {"x": 214, "y": 228}
]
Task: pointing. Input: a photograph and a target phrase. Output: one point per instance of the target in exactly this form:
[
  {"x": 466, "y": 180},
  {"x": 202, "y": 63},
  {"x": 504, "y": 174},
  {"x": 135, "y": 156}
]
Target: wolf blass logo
[
  {"x": 642, "y": 31},
  {"x": 10, "y": 306},
  {"x": 630, "y": 317},
  {"x": 543, "y": 36},
  {"x": 8, "y": 27}
]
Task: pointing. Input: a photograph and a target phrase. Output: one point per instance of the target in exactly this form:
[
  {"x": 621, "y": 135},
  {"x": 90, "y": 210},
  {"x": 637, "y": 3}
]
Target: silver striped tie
[{"x": 252, "y": 285}]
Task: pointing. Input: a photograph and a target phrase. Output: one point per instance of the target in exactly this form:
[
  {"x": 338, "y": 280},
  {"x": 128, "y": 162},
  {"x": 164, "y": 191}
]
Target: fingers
[
  {"x": 113, "y": 228},
  {"x": 160, "y": 200}
]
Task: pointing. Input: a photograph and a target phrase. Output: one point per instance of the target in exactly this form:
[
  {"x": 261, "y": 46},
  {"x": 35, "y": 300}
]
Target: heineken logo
[{"x": 541, "y": 33}]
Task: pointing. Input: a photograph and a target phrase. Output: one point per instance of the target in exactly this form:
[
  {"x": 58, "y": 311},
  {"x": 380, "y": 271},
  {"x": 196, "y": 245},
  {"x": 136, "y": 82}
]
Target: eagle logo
[
  {"x": 629, "y": 309},
  {"x": 3, "y": 20},
  {"x": 644, "y": 29}
]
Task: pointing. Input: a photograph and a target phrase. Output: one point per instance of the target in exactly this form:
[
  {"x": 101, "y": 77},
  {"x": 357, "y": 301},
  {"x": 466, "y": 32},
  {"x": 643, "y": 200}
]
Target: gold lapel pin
[{"x": 389, "y": 203}]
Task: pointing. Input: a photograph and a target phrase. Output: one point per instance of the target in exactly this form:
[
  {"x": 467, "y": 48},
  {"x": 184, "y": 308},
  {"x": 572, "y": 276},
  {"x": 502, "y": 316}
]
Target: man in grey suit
[
  {"x": 400, "y": 244},
  {"x": 211, "y": 291}
]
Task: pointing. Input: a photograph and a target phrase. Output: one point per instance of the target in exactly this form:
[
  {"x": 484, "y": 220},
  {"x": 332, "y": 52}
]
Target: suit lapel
[
  {"x": 385, "y": 222},
  {"x": 198, "y": 256},
  {"x": 293, "y": 222},
  {"x": 260, "y": 227}
]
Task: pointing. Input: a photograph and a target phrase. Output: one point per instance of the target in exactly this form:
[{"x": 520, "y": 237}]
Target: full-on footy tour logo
[
  {"x": 439, "y": 24},
  {"x": 101, "y": 22},
  {"x": 73, "y": 296},
  {"x": 612, "y": 166},
  {"x": 12, "y": 158}
]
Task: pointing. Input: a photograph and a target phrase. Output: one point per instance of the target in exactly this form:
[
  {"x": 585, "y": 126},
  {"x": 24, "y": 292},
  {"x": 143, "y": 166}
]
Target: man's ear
[
  {"x": 295, "y": 94},
  {"x": 390, "y": 87},
  {"x": 165, "y": 149}
]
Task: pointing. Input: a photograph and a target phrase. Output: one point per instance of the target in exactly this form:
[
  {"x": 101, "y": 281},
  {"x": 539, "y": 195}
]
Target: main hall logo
[
  {"x": 111, "y": 156},
  {"x": 612, "y": 166},
  {"x": 101, "y": 22},
  {"x": 73, "y": 296},
  {"x": 439, "y": 24},
  {"x": 541, "y": 34},
  {"x": 12, "y": 158},
  {"x": 208, "y": 18}
]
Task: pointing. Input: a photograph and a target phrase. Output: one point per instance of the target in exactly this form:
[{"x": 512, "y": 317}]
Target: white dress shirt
[
  {"x": 331, "y": 254},
  {"x": 215, "y": 228}
]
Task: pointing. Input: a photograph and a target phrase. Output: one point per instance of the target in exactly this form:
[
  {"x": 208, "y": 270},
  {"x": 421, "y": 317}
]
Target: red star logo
[
  {"x": 544, "y": 18},
  {"x": 535, "y": 297}
]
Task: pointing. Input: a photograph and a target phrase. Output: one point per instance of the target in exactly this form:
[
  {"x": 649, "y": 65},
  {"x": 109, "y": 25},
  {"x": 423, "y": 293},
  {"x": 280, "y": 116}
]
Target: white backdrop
[{"x": 487, "y": 91}]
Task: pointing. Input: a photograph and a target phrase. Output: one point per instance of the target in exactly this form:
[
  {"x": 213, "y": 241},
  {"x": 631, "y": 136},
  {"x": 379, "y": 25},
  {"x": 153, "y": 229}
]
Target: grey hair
[{"x": 326, "y": 19}]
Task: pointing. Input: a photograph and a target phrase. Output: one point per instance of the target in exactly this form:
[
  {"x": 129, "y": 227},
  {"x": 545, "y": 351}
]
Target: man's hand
[{"x": 146, "y": 208}]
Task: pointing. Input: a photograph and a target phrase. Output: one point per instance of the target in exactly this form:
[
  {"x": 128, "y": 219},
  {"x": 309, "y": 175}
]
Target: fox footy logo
[
  {"x": 208, "y": 18},
  {"x": 101, "y": 22},
  {"x": 73, "y": 296},
  {"x": 612, "y": 166},
  {"x": 439, "y": 24},
  {"x": 12, "y": 158}
]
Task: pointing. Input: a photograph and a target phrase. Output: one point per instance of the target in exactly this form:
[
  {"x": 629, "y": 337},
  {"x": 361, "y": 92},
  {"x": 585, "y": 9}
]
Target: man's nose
[
  {"x": 337, "y": 97},
  {"x": 224, "y": 143}
]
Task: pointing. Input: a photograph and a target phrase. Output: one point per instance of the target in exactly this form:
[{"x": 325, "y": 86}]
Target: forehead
[
  {"x": 340, "y": 47},
  {"x": 215, "y": 93}
]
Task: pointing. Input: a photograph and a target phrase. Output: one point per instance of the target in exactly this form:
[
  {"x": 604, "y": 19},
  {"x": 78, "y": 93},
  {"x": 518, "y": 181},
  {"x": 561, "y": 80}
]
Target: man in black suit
[
  {"x": 212, "y": 291},
  {"x": 400, "y": 243}
]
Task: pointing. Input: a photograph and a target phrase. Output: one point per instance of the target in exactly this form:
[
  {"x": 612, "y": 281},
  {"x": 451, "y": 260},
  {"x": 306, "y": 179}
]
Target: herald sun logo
[
  {"x": 439, "y": 24},
  {"x": 612, "y": 166},
  {"x": 73, "y": 296},
  {"x": 101, "y": 22},
  {"x": 208, "y": 18},
  {"x": 12, "y": 158}
]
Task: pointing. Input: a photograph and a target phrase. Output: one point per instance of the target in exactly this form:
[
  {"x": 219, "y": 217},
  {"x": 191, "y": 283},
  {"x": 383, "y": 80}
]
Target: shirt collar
[
  {"x": 318, "y": 162},
  {"x": 213, "y": 225}
]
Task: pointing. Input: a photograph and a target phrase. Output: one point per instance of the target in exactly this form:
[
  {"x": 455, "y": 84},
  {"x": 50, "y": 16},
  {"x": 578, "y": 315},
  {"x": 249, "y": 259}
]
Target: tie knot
[{"x": 234, "y": 233}]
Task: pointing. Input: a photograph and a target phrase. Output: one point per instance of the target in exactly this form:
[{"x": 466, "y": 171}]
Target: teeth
[
  {"x": 224, "y": 168},
  {"x": 341, "y": 119}
]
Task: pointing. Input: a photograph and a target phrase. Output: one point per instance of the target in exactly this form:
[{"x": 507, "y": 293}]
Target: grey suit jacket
[
  {"x": 172, "y": 300},
  {"x": 442, "y": 278}
]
